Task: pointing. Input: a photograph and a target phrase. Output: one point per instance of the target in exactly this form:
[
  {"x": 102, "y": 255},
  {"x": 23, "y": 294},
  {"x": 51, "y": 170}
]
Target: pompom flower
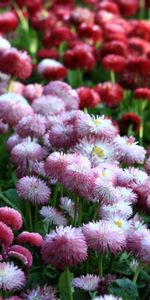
[
  {"x": 18, "y": 251},
  {"x": 31, "y": 126},
  {"x": 52, "y": 215},
  {"x": 13, "y": 107},
  {"x": 87, "y": 283},
  {"x": 65, "y": 246},
  {"x": 33, "y": 189},
  {"x": 27, "y": 151},
  {"x": 51, "y": 69},
  {"x": 41, "y": 293},
  {"x": 11, "y": 277},
  {"x": 108, "y": 297},
  {"x": 103, "y": 236},
  {"x": 6, "y": 234},
  {"x": 31, "y": 238},
  {"x": 11, "y": 217},
  {"x": 48, "y": 105}
]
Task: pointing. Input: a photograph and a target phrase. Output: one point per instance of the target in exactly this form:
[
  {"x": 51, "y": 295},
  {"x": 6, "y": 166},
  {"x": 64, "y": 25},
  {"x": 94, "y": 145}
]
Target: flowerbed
[{"x": 74, "y": 151}]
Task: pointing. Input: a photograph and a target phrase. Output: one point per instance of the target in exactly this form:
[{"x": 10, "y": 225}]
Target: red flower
[
  {"x": 138, "y": 46},
  {"x": 59, "y": 35},
  {"x": 8, "y": 21},
  {"x": 51, "y": 69},
  {"x": 114, "y": 62},
  {"x": 140, "y": 65},
  {"x": 111, "y": 94},
  {"x": 115, "y": 47},
  {"x": 32, "y": 6},
  {"x": 128, "y": 7},
  {"x": 130, "y": 119},
  {"x": 142, "y": 93},
  {"x": 109, "y": 6},
  {"x": 88, "y": 97},
  {"x": 92, "y": 33},
  {"x": 15, "y": 63},
  {"x": 43, "y": 20},
  {"x": 142, "y": 29},
  {"x": 79, "y": 57}
]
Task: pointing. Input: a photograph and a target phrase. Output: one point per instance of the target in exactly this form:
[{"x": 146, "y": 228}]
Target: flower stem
[
  {"x": 112, "y": 77},
  {"x": 10, "y": 85},
  {"x": 137, "y": 272},
  {"x": 142, "y": 8},
  {"x": 70, "y": 297},
  {"x": 100, "y": 264},
  {"x": 55, "y": 194}
]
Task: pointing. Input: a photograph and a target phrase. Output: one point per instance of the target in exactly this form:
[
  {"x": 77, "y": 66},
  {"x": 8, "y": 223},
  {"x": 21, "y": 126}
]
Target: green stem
[
  {"x": 142, "y": 8},
  {"x": 112, "y": 77},
  {"x": 30, "y": 218},
  {"x": 76, "y": 212},
  {"x": 100, "y": 264},
  {"x": 79, "y": 212},
  {"x": 137, "y": 272},
  {"x": 70, "y": 297},
  {"x": 96, "y": 211},
  {"x": 35, "y": 217},
  {"x": 55, "y": 194}
]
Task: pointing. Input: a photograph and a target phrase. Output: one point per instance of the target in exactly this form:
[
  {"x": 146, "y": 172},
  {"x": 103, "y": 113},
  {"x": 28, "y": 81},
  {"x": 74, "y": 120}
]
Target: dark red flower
[
  {"x": 91, "y": 33},
  {"x": 138, "y": 46},
  {"x": 43, "y": 20},
  {"x": 88, "y": 97},
  {"x": 139, "y": 65},
  {"x": 59, "y": 35},
  {"x": 128, "y": 7},
  {"x": 79, "y": 57},
  {"x": 8, "y": 21},
  {"x": 142, "y": 29},
  {"x": 130, "y": 120},
  {"x": 111, "y": 94},
  {"x": 142, "y": 93},
  {"x": 117, "y": 29},
  {"x": 115, "y": 47},
  {"x": 15, "y": 63},
  {"x": 115, "y": 63},
  {"x": 47, "y": 53},
  {"x": 32, "y": 6}
]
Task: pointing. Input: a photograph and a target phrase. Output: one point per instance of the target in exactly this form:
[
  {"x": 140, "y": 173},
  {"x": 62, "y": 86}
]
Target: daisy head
[{"x": 11, "y": 277}]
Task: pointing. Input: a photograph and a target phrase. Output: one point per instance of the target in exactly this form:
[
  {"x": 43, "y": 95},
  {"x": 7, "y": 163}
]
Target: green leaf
[
  {"x": 63, "y": 285},
  {"x": 80, "y": 295},
  {"x": 124, "y": 288}
]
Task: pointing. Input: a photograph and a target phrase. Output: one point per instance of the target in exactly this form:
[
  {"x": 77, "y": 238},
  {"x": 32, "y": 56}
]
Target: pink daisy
[
  {"x": 108, "y": 297},
  {"x": 65, "y": 246},
  {"x": 132, "y": 177},
  {"x": 32, "y": 91},
  {"x": 13, "y": 140},
  {"x": 103, "y": 236},
  {"x": 6, "y": 234},
  {"x": 121, "y": 208},
  {"x": 68, "y": 206},
  {"x": 18, "y": 250},
  {"x": 52, "y": 215},
  {"x": 13, "y": 107},
  {"x": 31, "y": 126},
  {"x": 65, "y": 92},
  {"x": 11, "y": 277},
  {"x": 41, "y": 293},
  {"x": 48, "y": 105},
  {"x": 89, "y": 282},
  {"x": 34, "y": 190}
]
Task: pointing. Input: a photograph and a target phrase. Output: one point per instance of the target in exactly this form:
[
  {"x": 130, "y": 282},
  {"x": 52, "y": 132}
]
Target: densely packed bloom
[
  {"x": 34, "y": 190},
  {"x": 31, "y": 238},
  {"x": 87, "y": 283},
  {"x": 65, "y": 246},
  {"x": 11, "y": 217},
  {"x": 11, "y": 277},
  {"x": 52, "y": 215}
]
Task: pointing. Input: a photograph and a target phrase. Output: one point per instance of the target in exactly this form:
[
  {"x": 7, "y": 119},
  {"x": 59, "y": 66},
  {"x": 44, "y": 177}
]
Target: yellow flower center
[
  {"x": 99, "y": 152},
  {"x": 119, "y": 223},
  {"x": 97, "y": 122}
]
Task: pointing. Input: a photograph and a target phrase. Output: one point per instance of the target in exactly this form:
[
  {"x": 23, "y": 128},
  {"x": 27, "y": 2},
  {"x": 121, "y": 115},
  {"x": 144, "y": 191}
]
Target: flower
[
  {"x": 32, "y": 91},
  {"x": 121, "y": 208},
  {"x": 67, "y": 205},
  {"x": 91, "y": 33},
  {"x": 131, "y": 177},
  {"x": 48, "y": 105},
  {"x": 11, "y": 277},
  {"x": 4, "y": 44},
  {"x": 130, "y": 152},
  {"x": 88, "y": 97},
  {"x": 33, "y": 189},
  {"x": 6, "y": 234},
  {"x": 31, "y": 238},
  {"x": 8, "y": 21},
  {"x": 52, "y": 215},
  {"x": 51, "y": 69},
  {"x": 65, "y": 246},
  {"x": 11, "y": 217},
  {"x": 111, "y": 94},
  {"x": 104, "y": 236},
  {"x": 31, "y": 126},
  {"x": 87, "y": 283},
  {"x": 79, "y": 57},
  {"x": 114, "y": 62},
  {"x": 15, "y": 63},
  {"x": 21, "y": 252},
  {"x": 27, "y": 151},
  {"x": 40, "y": 293},
  {"x": 142, "y": 93},
  {"x": 130, "y": 119},
  {"x": 13, "y": 107},
  {"x": 63, "y": 91}
]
